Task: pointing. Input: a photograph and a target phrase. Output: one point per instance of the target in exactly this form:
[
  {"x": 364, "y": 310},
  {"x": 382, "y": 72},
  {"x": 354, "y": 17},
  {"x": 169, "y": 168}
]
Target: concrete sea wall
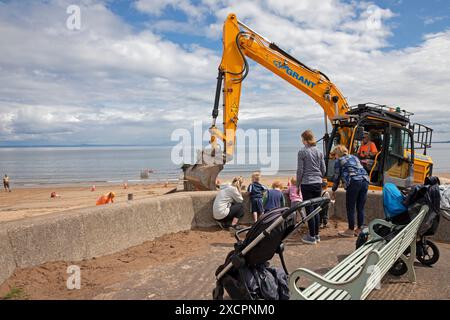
[{"x": 91, "y": 232}]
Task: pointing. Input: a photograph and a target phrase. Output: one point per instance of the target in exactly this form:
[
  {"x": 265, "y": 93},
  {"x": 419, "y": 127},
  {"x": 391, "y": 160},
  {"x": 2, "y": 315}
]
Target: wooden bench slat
[
  {"x": 343, "y": 263},
  {"x": 390, "y": 253},
  {"x": 383, "y": 255},
  {"x": 342, "y": 272},
  {"x": 341, "y": 267},
  {"x": 347, "y": 265}
]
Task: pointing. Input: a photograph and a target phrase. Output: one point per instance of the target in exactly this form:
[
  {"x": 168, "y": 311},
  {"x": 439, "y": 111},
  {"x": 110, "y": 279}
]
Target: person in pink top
[{"x": 294, "y": 194}]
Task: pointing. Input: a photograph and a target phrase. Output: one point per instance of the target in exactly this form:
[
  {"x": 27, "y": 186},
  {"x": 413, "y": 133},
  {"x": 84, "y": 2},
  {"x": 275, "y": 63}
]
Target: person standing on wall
[
  {"x": 349, "y": 169},
  {"x": 310, "y": 172}
]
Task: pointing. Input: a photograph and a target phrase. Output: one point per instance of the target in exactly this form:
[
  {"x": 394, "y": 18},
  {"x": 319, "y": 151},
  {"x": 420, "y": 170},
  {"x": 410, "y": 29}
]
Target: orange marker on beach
[{"x": 105, "y": 199}]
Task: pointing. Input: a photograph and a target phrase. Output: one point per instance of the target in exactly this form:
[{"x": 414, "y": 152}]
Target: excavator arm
[{"x": 240, "y": 42}]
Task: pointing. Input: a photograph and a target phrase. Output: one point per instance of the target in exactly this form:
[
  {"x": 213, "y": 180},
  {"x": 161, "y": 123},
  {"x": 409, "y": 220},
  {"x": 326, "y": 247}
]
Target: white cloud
[
  {"x": 108, "y": 83},
  {"x": 326, "y": 14},
  {"x": 104, "y": 73},
  {"x": 350, "y": 43}
]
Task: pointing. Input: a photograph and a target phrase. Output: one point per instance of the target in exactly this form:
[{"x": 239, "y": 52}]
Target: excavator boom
[{"x": 240, "y": 42}]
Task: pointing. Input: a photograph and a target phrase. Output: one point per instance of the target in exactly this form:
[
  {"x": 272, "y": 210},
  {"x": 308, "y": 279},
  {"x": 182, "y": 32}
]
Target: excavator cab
[{"x": 394, "y": 140}]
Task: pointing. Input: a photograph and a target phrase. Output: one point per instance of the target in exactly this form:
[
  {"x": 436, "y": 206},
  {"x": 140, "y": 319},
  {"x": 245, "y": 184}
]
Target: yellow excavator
[{"x": 395, "y": 137}]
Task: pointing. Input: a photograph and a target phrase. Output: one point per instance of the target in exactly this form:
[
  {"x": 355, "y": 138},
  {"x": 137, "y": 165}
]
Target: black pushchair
[
  {"x": 246, "y": 273},
  {"x": 427, "y": 252}
]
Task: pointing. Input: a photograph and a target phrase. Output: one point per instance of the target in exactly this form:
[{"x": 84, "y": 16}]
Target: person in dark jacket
[
  {"x": 349, "y": 169},
  {"x": 310, "y": 172},
  {"x": 274, "y": 198},
  {"x": 256, "y": 191}
]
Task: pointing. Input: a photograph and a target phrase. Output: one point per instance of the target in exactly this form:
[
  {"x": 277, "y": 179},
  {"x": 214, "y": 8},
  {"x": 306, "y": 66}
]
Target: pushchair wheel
[
  {"x": 217, "y": 293},
  {"x": 399, "y": 268},
  {"x": 429, "y": 253}
]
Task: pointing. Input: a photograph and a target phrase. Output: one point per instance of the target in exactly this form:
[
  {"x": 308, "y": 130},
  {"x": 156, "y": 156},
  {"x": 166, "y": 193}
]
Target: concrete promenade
[{"x": 89, "y": 233}]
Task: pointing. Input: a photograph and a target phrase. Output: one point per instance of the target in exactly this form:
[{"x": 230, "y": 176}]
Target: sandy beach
[{"x": 27, "y": 202}]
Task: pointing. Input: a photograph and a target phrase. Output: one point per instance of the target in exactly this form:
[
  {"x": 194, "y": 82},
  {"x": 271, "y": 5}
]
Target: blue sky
[
  {"x": 413, "y": 19},
  {"x": 138, "y": 70}
]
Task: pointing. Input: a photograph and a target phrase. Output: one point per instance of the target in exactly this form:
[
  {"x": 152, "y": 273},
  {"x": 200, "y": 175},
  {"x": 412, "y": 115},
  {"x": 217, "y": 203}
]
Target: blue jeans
[
  {"x": 310, "y": 191},
  {"x": 356, "y": 197}
]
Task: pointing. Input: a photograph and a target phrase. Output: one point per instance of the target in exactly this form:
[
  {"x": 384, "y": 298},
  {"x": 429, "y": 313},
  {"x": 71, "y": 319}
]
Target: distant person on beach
[
  {"x": 349, "y": 169},
  {"x": 6, "y": 183},
  {"x": 106, "y": 198},
  {"x": 227, "y": 207},
  {"x": 310, "y": 172},
  {"x": 274, "y": 198},
  {"x": 256, "y": 191}
]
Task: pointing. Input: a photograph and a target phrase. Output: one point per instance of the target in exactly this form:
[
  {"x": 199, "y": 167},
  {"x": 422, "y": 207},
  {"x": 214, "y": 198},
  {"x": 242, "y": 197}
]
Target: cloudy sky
[{"x": 137, "y": 70}]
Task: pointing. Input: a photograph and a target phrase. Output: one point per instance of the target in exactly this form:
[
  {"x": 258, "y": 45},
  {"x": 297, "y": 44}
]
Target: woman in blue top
[{"x": 356, "y": 182}]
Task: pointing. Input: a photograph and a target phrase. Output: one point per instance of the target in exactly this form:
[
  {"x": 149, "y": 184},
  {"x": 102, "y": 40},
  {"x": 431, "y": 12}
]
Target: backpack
[
  {"x": 257, "y": 282},
  {"x": 255, "y": 279},
  {"x": 429, "y": 194},
  {"x": 393, "y": 201}
]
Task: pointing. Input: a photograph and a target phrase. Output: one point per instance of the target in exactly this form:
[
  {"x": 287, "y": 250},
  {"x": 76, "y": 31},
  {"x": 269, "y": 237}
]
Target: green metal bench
[{"x": 359, "y": 273}]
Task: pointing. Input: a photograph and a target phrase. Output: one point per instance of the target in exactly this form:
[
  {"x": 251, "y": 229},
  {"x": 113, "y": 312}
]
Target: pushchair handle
[{"x": 320, "y": 201}]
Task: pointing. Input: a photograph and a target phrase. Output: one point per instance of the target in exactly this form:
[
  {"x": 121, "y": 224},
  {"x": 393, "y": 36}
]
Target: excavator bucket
[{"x": 201, "y": 177}]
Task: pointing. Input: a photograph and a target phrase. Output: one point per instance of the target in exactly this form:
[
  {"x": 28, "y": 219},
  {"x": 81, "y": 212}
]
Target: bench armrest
[{"x": 378, "y": 221}]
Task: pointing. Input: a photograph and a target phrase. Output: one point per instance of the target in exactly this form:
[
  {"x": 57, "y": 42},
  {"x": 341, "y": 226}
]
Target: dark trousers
[
  {"x": 324, "y": 216},
  {"x": 356, "y": 197},
  {"x": 310, "y": 191},
  {"x": 236, "y": 211}
]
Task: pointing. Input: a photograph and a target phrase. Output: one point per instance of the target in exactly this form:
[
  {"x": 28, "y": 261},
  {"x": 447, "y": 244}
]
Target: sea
[{"x": 87, "y": 165}]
